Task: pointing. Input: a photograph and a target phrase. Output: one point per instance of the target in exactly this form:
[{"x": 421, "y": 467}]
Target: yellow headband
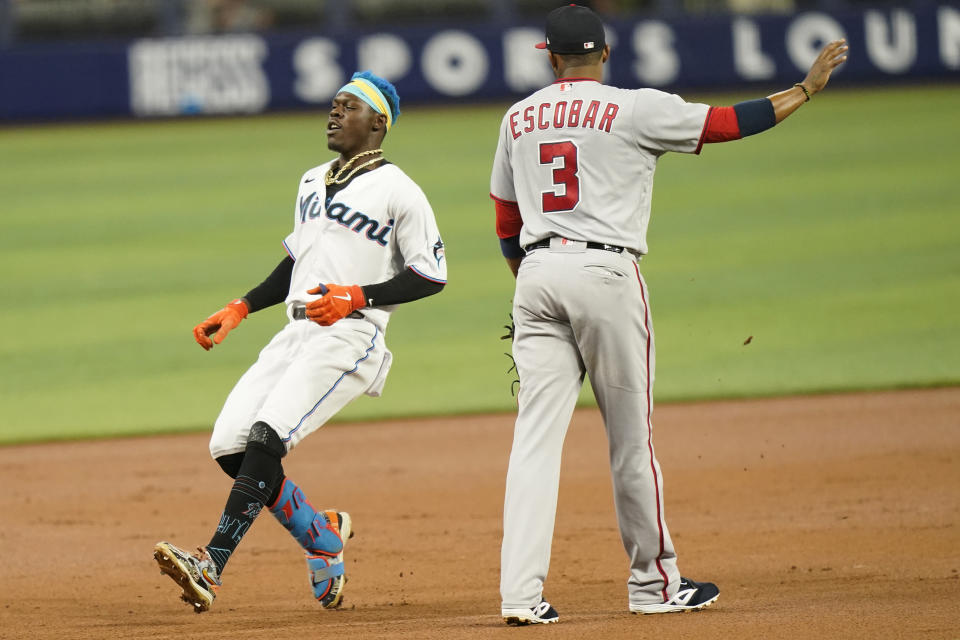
[{"x": 369, "y": 93}]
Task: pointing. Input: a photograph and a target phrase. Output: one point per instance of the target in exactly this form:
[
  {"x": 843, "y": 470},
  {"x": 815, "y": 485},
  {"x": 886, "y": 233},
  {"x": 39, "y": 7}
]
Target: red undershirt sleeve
[
  {"x": 509, "y": 221},
  {"x": 721, "y": 125}
]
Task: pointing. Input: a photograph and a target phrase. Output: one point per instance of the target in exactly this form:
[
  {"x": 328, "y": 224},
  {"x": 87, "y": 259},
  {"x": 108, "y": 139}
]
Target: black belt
[
  {"x": 545, "y": 244},
  {"x": 300, "y": 313}
]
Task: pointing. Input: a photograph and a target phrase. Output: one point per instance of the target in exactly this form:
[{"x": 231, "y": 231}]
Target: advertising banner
[{"x": 251, "y": 73}]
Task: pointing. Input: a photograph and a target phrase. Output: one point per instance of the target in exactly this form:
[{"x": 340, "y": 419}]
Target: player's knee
[
  {"x": 263, "y": 437},
  {"x": 230, "y": 463}
]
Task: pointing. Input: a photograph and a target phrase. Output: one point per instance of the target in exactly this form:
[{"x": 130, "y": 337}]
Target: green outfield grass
[{"x": 834, "y": 241}]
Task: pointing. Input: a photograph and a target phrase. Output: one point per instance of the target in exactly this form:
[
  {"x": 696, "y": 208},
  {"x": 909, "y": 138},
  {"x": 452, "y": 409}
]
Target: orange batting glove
[
  {"x": 336, "y": 304},
  {"x": 220, "y": 323}
]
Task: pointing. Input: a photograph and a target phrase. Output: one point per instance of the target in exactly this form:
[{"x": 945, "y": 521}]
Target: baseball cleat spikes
[
  {"x": 196, "y": 574},
  {"x": 691, "y": 596}
]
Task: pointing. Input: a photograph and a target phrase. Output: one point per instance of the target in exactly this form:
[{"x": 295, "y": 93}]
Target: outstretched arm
[
  {"x": 753, "y": 116},
  {"x": 831, "y": 56}
]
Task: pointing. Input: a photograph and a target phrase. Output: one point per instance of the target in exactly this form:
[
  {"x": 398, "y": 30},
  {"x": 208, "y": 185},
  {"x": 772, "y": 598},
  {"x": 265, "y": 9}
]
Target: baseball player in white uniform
[
  {"x": 572, "y": 182},
  {"x": 357, "y": 218}
]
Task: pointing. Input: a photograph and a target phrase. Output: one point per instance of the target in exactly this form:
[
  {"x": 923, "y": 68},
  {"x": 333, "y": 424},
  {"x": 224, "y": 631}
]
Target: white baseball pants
[{"x": 303, "y": 377}]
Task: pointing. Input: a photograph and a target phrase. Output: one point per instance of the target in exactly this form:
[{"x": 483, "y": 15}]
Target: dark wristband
[
  {"x": 754, "y": 116},
  {"x": 510, "y": 247}
]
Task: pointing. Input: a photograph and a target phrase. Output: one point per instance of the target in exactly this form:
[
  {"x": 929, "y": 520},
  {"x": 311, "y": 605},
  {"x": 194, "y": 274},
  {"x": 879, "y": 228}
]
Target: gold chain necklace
[{"x": 338, "y": 177}]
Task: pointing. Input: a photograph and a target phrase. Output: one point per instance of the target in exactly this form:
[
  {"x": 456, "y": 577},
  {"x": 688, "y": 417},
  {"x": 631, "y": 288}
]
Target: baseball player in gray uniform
[
  {"x": 357, "y": 218},
  {"x": 572, "y": 181}
]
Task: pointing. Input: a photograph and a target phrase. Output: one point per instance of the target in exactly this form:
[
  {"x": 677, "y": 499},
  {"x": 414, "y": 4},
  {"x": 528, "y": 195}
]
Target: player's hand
[
  {"x": 337, "y": 303},
  {"x": 831, "y": 56},
  {"x": 221, "y": 323}
]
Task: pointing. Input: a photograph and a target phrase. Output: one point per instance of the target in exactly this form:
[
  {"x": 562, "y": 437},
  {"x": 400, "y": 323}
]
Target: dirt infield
[{"x": 819, "y": 517}]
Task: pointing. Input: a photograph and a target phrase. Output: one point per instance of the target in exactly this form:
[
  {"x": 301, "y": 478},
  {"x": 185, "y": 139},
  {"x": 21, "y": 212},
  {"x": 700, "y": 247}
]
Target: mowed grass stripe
[{"x": 830, "y": 242}]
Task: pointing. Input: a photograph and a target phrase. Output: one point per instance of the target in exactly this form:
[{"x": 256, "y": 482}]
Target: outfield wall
[{"x": 252, "y": 73}]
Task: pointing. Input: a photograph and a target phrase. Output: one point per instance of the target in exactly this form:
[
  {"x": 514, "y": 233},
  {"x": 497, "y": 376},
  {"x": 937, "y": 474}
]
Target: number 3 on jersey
[{"x": 566, "y": 195}]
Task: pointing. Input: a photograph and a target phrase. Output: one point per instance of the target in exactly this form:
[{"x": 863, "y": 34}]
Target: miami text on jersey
[
  {"x": 343, "y": 215},
  {"x": 563, "y": 114}
]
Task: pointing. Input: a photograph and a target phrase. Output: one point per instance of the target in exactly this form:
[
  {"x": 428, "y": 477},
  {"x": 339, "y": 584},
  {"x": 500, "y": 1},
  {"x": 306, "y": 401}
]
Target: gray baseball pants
[{"x": 578, "y": 311}]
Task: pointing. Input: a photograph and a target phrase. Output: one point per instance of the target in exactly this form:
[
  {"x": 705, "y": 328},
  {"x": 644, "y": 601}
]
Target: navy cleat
[
  {"x": 691, "y": 596},
  {"x": 543, "y": 613}
]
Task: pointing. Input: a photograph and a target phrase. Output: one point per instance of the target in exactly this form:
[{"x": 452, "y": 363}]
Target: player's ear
[
  {"x": 554, "y": 62},
  {"x": 379, "y": 122},
  {"x": 605, "y": 54}
]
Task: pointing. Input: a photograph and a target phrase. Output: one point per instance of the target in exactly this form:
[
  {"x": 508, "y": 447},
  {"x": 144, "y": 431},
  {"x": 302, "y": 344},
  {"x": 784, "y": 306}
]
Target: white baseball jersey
[
  {"x": 623, "y": 132},
  {"x": 378, "y": 225}
]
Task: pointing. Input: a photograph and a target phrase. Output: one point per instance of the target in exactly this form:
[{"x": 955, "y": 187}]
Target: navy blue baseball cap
[{"x": 573, "y": 29}]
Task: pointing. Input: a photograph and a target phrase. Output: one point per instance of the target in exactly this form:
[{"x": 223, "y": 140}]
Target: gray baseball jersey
[
  {"x": 578, "y": 158},
  {"x": 546, "y": 138}
]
